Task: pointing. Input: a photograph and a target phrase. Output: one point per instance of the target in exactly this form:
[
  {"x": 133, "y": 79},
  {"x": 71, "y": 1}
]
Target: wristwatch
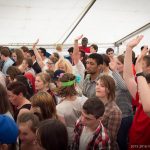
[{"x": 140, "y": 74}]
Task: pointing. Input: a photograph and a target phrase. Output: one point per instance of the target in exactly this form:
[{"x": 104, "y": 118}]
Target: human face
[
  {"x": 92, "y": 50},
  {"x": 39, "y": 84},
  {"x": 119, "y": 66},
  {"x": 101, "y": 90},
  {"x": 88, "y": 119},
  {"x": 40, "y": 52},
  {"x": 13, "y": 98},
  {"x": 28, "y": 55},
  {"x": 110, "y": 54},
  {"x": 14, "y": 56},
  {"x": 24, "y": 64},
  {"x": 26, "y": 135},
  {"x": 50, "y": 65},
  {"x": 91, "y": 66},
  {"x": 84, "y": 42}
]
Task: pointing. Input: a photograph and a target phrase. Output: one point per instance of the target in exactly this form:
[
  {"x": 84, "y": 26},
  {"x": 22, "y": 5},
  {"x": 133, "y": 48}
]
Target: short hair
[
  {"x": 70, "y": 50},
  {"x": 13, "y": 71},
  {"x": 109, "y": 84},
  {"x": 97, "y": 57},
  {"x": 106, "y": 59},
  {"x": 95, "y": 47},
  {"x": 109, "y": 50},
  {"x": 147, "y": 60},
  {"x": 25, "y": 117},
  {"x": 25, "y": 49},
  {"x": 31, "y": 52},
  {"x": 5, "y": 51},
  {"x": 26, "y": 82},
  {"x": 43, "y": 51},
  {"x": 85, "y": 39},
  {"x": 59, "y": 47},
  {"x": 56, "y": 133},
  {"x": 95, "y": 107},
  {"x": 17, "y": 88}
]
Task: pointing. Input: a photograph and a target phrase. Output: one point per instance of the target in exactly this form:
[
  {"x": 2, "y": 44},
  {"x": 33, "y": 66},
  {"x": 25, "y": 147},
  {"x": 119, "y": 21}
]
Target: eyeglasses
[{"x": 50, "y": 63}]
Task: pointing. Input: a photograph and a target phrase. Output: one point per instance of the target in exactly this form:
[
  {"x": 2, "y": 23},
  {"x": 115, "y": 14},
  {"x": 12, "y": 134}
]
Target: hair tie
[
  {"x": 67, "y": 84},
  {"x": 78, "y": 79}
]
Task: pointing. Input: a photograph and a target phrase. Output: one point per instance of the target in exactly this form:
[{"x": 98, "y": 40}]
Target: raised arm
[
  {"x": 76, "y": 54},
  {"x": 127, "y": 72},
  {"x": 143, "y": 86},
  {"x": 37, "y": 55},
  {"x": 117, "y": 77}
]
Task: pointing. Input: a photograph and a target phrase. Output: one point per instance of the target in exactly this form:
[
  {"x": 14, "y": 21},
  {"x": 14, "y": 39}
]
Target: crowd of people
[{"x": 87, "y": 101}]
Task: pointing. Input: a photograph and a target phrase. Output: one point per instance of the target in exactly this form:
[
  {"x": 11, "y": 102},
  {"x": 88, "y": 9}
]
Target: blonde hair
[
  {"x": 59, "y": 47},
  {"x": 45, "y": 78},
  {"x": 66, "y": 64}
]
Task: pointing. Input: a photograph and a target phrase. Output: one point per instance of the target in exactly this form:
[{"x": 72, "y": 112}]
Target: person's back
[
  {"x": 5, "y": 56},
  {"x": 52, "y": 135}
]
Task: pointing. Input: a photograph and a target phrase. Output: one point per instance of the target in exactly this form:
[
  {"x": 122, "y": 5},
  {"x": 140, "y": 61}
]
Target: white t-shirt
[
  {"x": 85, "y": 138},
  {"x": 71, "y": 111}
]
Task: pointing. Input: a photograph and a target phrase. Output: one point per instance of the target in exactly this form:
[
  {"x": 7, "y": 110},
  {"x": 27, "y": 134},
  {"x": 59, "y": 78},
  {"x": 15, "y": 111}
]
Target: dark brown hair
[
  {"x": 52, "y": 135},
  {"x": 17, "y": 88},
  {"x": 4, "y": 101},
  {"x": 69, "y": 90},
  {"x": 13, "y": 71}
]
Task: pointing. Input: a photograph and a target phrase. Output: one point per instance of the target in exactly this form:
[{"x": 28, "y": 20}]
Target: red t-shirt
[
  {"x": 139, "y": 135},
  {"x": 85, "y": 49}
]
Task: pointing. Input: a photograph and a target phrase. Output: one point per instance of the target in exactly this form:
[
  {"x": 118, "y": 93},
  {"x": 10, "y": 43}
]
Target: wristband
[{"x": 140, "y": 74}]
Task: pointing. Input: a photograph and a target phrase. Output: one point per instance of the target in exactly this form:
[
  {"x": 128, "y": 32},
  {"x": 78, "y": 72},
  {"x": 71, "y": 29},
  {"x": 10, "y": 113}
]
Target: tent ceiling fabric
[{"x": 23, "y": 21}]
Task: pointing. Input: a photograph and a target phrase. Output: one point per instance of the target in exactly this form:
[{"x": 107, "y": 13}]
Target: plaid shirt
[
  {"x": 111, "y": 120},
  {"x": 100, "y": 140}
]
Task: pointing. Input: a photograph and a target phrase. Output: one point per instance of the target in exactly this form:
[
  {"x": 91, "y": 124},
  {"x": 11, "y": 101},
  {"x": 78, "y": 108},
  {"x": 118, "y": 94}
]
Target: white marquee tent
[{"x": 106, "y": 22}]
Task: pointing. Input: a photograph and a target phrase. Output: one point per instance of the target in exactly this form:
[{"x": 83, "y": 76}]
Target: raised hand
[
  {"x": 113, "y": 65},
  {"x": 135, "y": 41},
  {"x": 35, "y": 44},
  {"x": 79, "y": 37}
]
